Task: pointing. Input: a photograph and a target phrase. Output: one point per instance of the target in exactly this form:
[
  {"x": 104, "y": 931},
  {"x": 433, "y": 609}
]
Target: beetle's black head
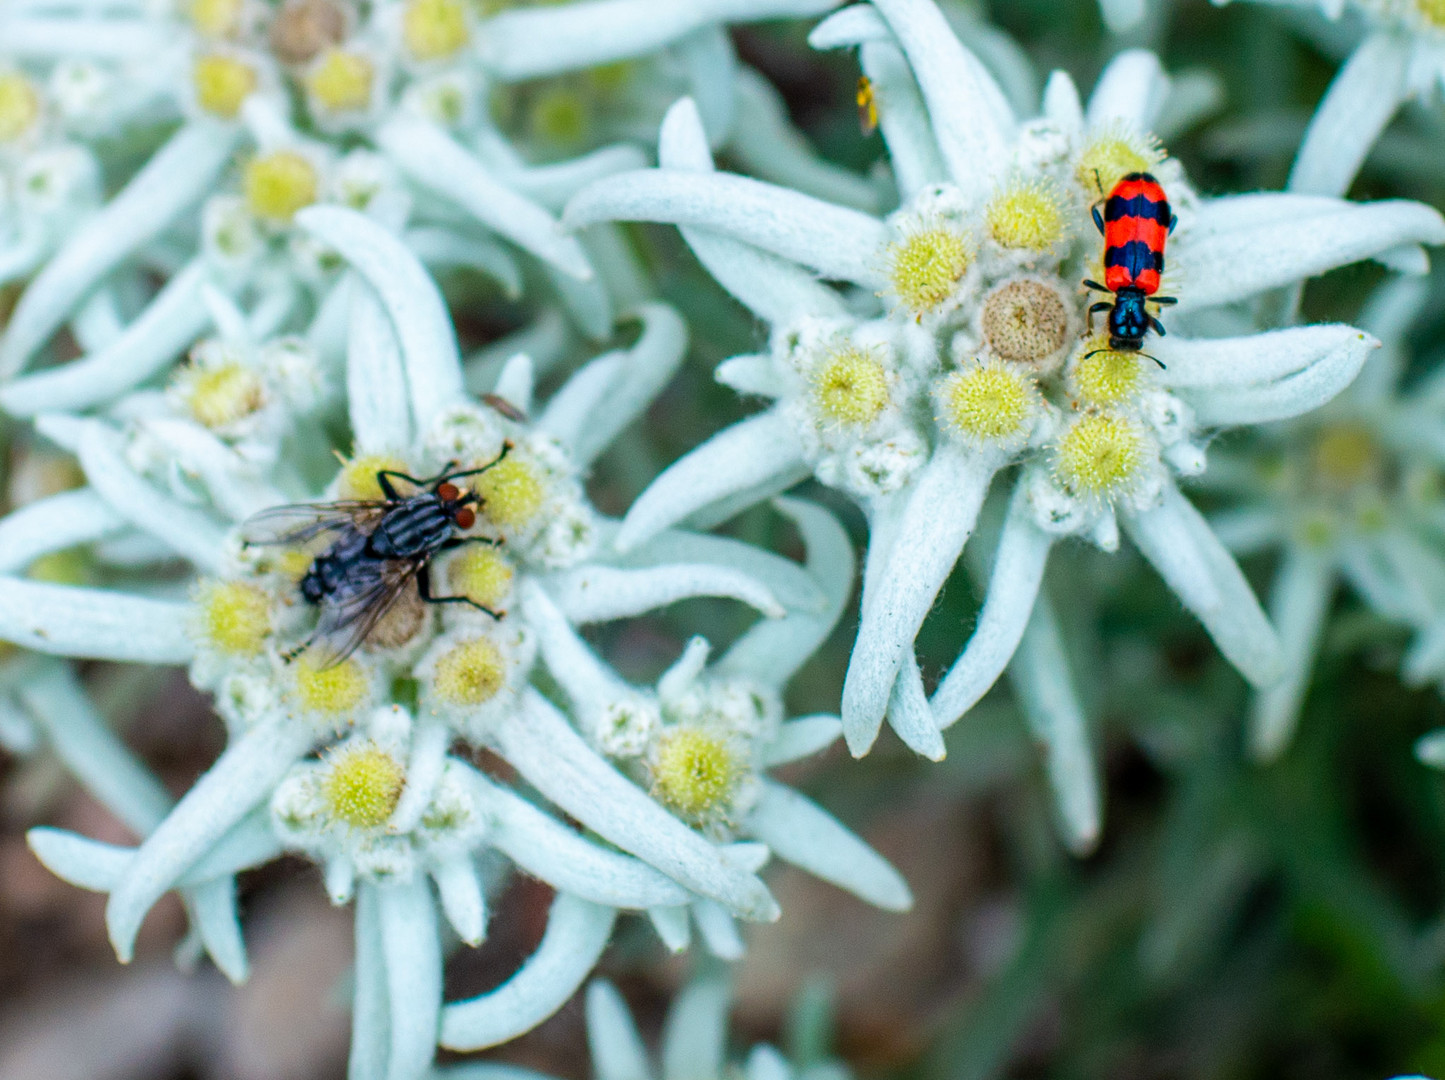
[{"x": 1128, "y": 320}]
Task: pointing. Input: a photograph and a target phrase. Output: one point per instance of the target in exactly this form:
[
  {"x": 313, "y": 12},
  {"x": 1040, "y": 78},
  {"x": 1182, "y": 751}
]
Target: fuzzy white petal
[
  {"x": 833, "y": 240},
  {"x": 558, "y": 855},
  {"x": 37, "y": 37},
  {"x": 909, "y": 715},
  {"x": 174, "y": 178},
  {"x": 603, "y": 593},
  {"x": 460, "y": 889},
  {"x": 735, "y": 459},
  {"x": 800, "y": 738},
  {"x": 188, "y": 531},
  {"x": 444, "y": 248},
  {"x": 526, "y": 43},
  {"x": 1122, "y": 15},
  {"x": 438, "y": 163},
  {"x": 773, "y": 289},
  {"x": 804, "y": 834},
  {"x": 542, "y": 746},
  {"x": 411, "y": 950},
  {"x": 1242, "y": 259},
  {"x": 379, "y": 406},
  {"x": 903, "y": 119},
  {"x": 694, "y": 1036},
  {"x": 616, "y": 1047},
  {"x": 370, "y": 1009},
  {"x": 576, "y": 934},
  {"x": 719, "y": 930},
  {"x": 710, "y": 65},
  {"x": 1255, "y": 359},
  {"x": 1018, "y": 571},
  {"x": 93, "y": 623},
  {"x": 1177, "y": 540},
  {"x": 792, "y": 586},
  {"x": 1298, "y": 603},
  {"x": 672, "y": 926},
  {"x": 54, "y": 524},
  {"x": 765, "y": 1063},
  {"x": 240, "y": 779},
  {"x": 418, "y": 314},
  {"x": 214, "y": 911},
  {"x": 937, "y": 518},
  {"x": 1040, "y": 678},
  {"x": 1131, "y": 89},
  {"x": 1358, "y": 106},
  {"x": 857, "y": 24},
  {"x": 972, "y": 120},
  {"x": 1323, "y": 378},
  {"x": 151, "y": 341}
]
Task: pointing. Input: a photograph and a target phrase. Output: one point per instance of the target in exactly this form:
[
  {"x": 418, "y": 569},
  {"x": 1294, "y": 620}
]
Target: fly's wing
[
  {"x": 298, "y": 523},
  {"x": 352, "y": 612}
]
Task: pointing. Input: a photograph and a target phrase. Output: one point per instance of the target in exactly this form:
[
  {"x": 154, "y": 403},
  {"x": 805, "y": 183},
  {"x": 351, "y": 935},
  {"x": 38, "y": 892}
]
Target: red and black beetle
[{"x": 1136, "y": 223}]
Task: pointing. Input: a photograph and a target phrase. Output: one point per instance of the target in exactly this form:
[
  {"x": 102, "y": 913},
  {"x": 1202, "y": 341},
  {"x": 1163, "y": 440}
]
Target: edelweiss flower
[
  {"x": 694, "y": 1043},
  {"x": 1351, "y": 492},
  {"x": 1401, "y": 56},
  {"x": 979, "y": 356},
  {"x": 408, "y": 81},
  {"x": 385, "y": 808}
]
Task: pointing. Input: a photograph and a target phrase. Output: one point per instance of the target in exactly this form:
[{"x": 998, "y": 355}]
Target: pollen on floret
[
  {"x": 341, "y": 81},
  {"x": 222, "y": 83},
  {"x": 511, "y": 491},
  {"x": 1026, "y": 216},
  {"x": 851, "y": 386},
  {"x": 361, "y": 785},
  {"x": 471, "y": 673},
  {"x": 433, "y": 29},
  {"x": 280, "y": 183},
  {"x": 1111, "y": 155},
  {"x": 220, "y": 396},
  {"x": 695, "y": 772},
  {"x": 1345, "y": 456},
  {"x": 926, "y": 265},
  {"x": 1025, "y": 321},
  {"x": 303, "y": 28},
  {"x": 1100, "y": 456},
  {"x": 358, "y": 476},
  {"x": 1104, "y": 377},
  {"x": 235, "y": 617},
  {"x": 559, "y": 115},
  {"x": 216, "y": 18},
  {"x": 481, "y": 574},
  {"x": 1433, "y": 11},
  {"x": 19, "y": 105},
  {"x": 330, "y": 690},
  {"x": 986, "y": 403}
]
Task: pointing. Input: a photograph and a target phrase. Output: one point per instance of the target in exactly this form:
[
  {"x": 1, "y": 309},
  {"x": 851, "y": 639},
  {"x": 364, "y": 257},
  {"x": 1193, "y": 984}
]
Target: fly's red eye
[
  {"x": 465, "y": 518},
  {"x": 447, "y": 492}
]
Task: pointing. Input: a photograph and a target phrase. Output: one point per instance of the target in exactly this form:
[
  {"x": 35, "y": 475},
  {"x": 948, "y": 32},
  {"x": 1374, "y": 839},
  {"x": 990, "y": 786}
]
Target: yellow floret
[
  {"x": 1111, "y": 155},
  {"x": 511, "y": 492},
  {"x": 216, "y": 18},
  {"x": 222, "y": 83},
  {"x": 1100, "y": 456},
  {"x": 434, "y": 29},
  {"x": 471, "y": 673},
  {"x": 235, "y": 617},
  {"x": 333, "y": 690},
  {"x": 1345, "y": 456},
  {"x": 987, "y": 403},
  {"x": 68, "y": 567},
  {"x": 851, "y": 387},
  {"x": 361, "y": 785},
  {"x": 559, "y": 115},
  {"x": 280, "y": 183},
  {"x": 358, "y": 476},
  {"x": 1433, "y": 10},
  {"x": 1105, "y": 377},
  {"x": 223, "y": 395},
  {"x": 482, "y": 575},
  {"x": 926, "y": 266},
  {"x": 1028, "y": 216},
  {"x": 19, "y": 106},
  {"x": 695, "y": 772},
  {"x": 341, "y": 81}
]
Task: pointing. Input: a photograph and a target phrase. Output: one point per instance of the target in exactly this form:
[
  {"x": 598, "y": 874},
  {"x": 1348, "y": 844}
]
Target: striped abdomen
[{"x": 1136, "y": 227}]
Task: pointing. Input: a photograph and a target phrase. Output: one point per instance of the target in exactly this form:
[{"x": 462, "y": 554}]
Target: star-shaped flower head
[
  {"x": 1351, "y": 493},
  {"x": 350, "y": 760},
  {"x": 319, "y": 101},
  {"x": 978, "y": 354},
  {"x": 1400, "y": 57}
]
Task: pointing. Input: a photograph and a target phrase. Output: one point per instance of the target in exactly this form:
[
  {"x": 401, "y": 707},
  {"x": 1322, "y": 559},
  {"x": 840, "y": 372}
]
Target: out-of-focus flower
[{"x": 979, "y": 357}]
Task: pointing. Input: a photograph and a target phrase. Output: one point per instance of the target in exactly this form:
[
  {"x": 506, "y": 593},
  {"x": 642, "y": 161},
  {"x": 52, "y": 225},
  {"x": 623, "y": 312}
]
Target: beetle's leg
[
  {"x": 1098, "y": 219},
  {"x": 423, "y": 588},
  {"x": 1173, "y": 221},
  {"x": 1163, "y": 299},
  {"x": 1096, "y": 286},
  {"x": 1101, "y": 306},
  {"x": 1158, "y": 326}
]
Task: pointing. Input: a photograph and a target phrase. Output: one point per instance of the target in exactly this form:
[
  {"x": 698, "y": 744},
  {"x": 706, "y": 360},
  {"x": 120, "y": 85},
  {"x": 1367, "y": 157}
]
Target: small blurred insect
[
  {"x": 1136, "y": 224},
  {"x": 376, "y": 548},
  {"x": 867, "y": 105}
]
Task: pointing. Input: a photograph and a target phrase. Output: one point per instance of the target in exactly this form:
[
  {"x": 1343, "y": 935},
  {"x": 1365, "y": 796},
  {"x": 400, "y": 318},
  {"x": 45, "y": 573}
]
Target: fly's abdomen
[{"x": 412, "y": 530}]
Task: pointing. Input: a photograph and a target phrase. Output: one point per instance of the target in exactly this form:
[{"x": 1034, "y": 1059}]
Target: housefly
[{"x": 375, "y": 549}]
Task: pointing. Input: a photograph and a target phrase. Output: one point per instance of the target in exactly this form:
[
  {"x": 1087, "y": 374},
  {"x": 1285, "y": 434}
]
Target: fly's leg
[
  {"x": 383, "y": 481},
  {"x": 458, "y": 541},
  {"x": 423, "y": 588},
  {"x": 506, "y": 449}
]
